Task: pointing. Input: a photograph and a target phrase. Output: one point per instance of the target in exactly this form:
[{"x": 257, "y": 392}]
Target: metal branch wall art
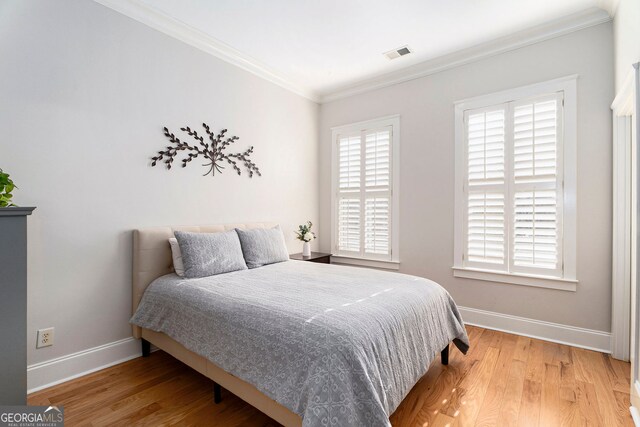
[{"x": 213, "y": 150}]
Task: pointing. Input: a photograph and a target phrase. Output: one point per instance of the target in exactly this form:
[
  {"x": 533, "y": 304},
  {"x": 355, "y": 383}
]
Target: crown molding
[
  {"x": 550, "y": 30},
  {"x": 157, "y": 20}
]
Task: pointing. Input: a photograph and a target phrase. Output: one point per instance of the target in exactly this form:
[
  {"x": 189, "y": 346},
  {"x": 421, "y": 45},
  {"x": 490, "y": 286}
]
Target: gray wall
[
  {"x": 84, "y": 93},
  {"x": 427, "y": 171}
]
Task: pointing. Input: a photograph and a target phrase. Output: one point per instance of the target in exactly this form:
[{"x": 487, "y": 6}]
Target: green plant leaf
[{"x": 6, "y": 187}]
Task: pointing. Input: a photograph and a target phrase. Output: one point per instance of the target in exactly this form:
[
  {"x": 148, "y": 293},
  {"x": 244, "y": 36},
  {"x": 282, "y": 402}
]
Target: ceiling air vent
[{"x": 397, "y": 53}]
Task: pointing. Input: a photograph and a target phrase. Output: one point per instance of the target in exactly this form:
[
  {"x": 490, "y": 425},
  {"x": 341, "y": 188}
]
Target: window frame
[
  {"x": 567, "y": 179},
  {"x": 369, "y": 260}
]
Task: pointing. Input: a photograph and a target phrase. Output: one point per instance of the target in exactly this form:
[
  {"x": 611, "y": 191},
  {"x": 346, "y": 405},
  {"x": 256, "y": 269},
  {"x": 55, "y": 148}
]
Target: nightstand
[{"x": 319, "y": 257}]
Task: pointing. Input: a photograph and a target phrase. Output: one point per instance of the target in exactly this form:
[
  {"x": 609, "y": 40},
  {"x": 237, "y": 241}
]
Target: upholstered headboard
[{"x": 152, "y": 254}]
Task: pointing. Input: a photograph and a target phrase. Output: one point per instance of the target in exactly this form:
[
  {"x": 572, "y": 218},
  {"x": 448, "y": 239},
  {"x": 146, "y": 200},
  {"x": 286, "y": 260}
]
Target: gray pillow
[
  {"x": 262, "y": 246},
  {"x": 208, "y": 254}
]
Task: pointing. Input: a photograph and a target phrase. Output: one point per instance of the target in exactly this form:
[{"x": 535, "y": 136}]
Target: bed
[{"x": 307, "y": 344}]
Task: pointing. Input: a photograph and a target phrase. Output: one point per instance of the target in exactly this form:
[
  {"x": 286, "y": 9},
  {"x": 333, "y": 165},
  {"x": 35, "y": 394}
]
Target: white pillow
[{"x": 176, "y": 254}]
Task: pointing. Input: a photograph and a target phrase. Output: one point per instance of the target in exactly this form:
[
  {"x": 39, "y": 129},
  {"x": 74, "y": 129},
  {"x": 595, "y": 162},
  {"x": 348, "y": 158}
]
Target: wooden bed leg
[
  {"x": 217, "y": 393},
  {"x": 146, "y": 348},
  {"x": 444, "y": 355}
]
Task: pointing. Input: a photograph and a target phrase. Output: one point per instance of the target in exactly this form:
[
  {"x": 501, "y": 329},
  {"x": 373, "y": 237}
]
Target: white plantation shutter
[
  {"x": 536, "y": 230},
  {"x": 364, "y": 193},
  {"x": 485, "y": 229},
  {"x": 513, "y": 186},
  {"x": 537, "y": 193},
  {"x": 349, "y": 163},
  {"x": 377, "y": 202},
  {"x": 349, "y": 204},
  {"x": 376, "y": 226},
  {"x": 486, "y": 189},
  {"x": 486, "y": 147},
  {"x": 349, "y": 225},
  {"x": 535, "y": 141},
  {"x": 378, "y": 159}
]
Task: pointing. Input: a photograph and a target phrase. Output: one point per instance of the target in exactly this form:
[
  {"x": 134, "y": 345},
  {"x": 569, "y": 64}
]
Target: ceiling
[{"x": 326, "y": 45}]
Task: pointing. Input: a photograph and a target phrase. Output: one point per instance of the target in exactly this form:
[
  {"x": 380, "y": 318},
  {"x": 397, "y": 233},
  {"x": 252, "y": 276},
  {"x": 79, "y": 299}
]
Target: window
[
  {"x": 365, "y": 196},
  {"x": 515, "y": 186}
]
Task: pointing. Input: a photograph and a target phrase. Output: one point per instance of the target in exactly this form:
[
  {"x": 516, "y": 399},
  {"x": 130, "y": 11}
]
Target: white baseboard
[
  {"x": 55, "y": 371},
  {"x": 554, "y": 332}
]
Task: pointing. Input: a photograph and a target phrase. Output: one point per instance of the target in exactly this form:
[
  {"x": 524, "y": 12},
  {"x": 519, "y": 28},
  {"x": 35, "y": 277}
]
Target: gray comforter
[{"x": 340, "y": 346}]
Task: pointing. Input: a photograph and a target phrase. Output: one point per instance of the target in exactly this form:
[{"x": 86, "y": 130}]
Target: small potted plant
[
  {"x": 305, "y": 235},
  {"x": 6, "y": 187}
]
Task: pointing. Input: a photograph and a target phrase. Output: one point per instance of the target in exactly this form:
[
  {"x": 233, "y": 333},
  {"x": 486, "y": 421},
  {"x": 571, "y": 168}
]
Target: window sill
[
  {"x": 365, "y": 262},
  {"x": 516, "y": 279}
]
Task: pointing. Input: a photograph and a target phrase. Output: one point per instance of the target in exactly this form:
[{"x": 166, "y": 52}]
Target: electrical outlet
[{"x": 45, "y": 337}]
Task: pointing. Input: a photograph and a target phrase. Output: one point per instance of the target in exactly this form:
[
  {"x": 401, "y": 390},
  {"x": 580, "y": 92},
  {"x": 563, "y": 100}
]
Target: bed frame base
[
  {"x": 146, "y": 347},
  {"x": 444, "y": 355},
  {"x": 217, "y": 390},
  {"x": 223, "y": 380},
  {"x": 217, "y": 393}
]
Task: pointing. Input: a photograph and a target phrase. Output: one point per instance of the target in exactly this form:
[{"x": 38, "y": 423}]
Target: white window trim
[
  {"x": 394, "y": 122},
  {"x": 365, "y": 262},
  {"x": 569, "y": 281},
  {"x": 625, "y": 107},
  {"x": 515, "y": 278}
]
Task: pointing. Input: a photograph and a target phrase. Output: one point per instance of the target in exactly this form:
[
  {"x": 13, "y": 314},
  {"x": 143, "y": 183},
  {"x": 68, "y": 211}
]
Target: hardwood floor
[{"x": 504, "y": 380}]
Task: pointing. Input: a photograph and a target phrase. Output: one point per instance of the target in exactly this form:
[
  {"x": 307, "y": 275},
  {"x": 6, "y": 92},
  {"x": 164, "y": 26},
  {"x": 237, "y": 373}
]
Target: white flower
[{"x": 307, "y": 237}]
